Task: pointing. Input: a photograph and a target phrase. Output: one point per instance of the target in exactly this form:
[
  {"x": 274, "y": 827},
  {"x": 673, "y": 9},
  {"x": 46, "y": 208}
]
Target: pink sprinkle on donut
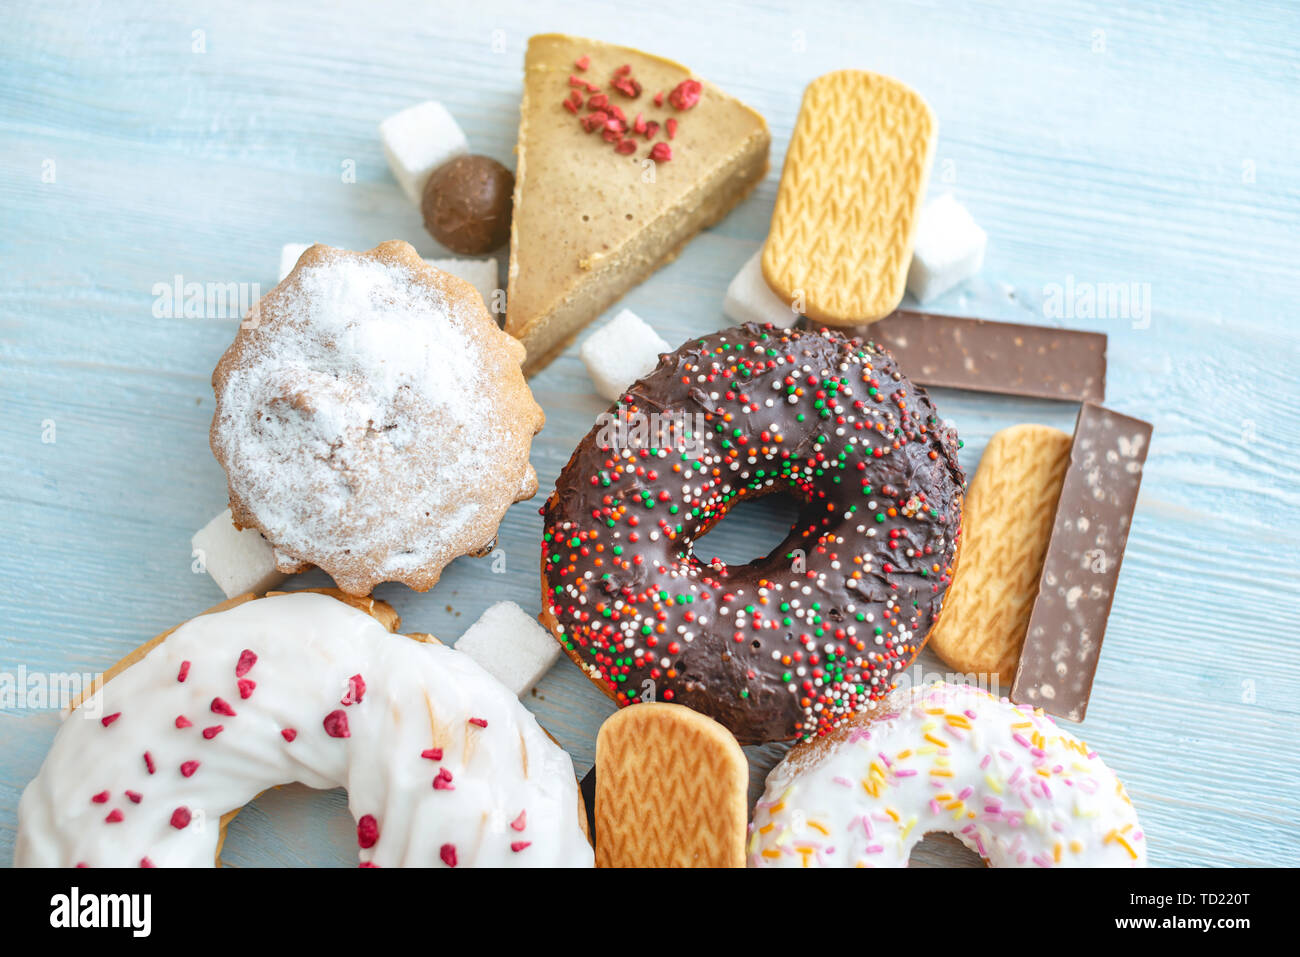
[
  {"x": 221, "y": 706},
  {"x": 212, "y": 732},
  {"x": 367, "y": 864},
  {"x": 148, "y": 763},
  {"x": 443, "y": 781},
  {"x": 518, "y": 846},
  {"x": 367, "y": 831},
  {"x": 115, "y": 816},
  {"x": 81, "y": 864},
  {"x": 100, "y": 798},
  {"x": 135, "y": 797},
  {"x": 188, "y": 768},
  {"x": 336, "y": 725},
  {"x": 356, "y": 691},
  {"x": 110, "y": 718},
  {"x": 246, "y": 686},
  {"x": 182, "y": 721},
  {"x": 184, "y": 672},
  {"x": 433, "y": 754},
  {"x": 246, "y": 661},
  {"x": 181, "y": 818},
  {"x": 448, "y": 854},
  {"x": 520, "y": 822},
  {"x": 478, "y": 722},
  {"x": 288, "y": 734},
  {"x": 145, "y": 862}
]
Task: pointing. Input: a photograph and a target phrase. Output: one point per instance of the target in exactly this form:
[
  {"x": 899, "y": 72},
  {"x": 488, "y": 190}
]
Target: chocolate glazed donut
[{"x": 790, "y": 644}]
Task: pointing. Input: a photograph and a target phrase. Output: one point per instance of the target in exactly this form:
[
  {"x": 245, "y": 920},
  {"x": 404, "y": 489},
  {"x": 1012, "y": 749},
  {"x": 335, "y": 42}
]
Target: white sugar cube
[
  {"x": 949, "y": 248},
  {"x": 511, "y": 646},
  {"x": 238, "y": 561},
  {"x": 479, "y": 273},
  {"x": 417, "y": 141},
  {"x": 620, "y": 352},
  {"x": 290, "y": 253},
  {"x": 751, "y": 299}
]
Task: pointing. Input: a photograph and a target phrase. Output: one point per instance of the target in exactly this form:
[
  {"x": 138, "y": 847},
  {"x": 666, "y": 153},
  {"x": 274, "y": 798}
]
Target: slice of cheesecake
[{"x": 622, "y": 158}]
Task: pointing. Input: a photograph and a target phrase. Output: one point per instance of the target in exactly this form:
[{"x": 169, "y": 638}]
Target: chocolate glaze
[{"x": 789, "y": 644}]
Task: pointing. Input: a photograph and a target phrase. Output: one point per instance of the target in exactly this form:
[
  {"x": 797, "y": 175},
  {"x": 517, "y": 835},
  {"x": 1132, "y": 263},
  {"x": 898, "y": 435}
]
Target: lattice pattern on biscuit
[
  {"x": 671, "y": 790},
  {"x": 1006, "y": 526},
  {"x": 846, "y": 213}
]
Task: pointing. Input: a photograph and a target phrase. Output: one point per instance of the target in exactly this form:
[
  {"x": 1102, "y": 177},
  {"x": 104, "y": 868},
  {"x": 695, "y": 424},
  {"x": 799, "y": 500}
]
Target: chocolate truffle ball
[{"x": 467, "y": 204}]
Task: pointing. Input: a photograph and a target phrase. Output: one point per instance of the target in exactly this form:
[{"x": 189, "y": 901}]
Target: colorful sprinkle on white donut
[{"x": 1003, "y": 779}]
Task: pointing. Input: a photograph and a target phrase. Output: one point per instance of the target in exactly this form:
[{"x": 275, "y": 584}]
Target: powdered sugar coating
[{"x": 374, "y": 420}]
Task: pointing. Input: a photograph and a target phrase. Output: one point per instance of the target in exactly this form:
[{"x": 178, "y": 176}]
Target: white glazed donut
[
  {"x": 1003, "y": 779},
  {"x": 442, "y": 764}
]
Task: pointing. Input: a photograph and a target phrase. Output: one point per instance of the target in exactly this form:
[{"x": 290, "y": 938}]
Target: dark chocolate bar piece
[
  {"x": 1068, "y": 621},
  {"x": 588, "y": 789},
  {"x": 986, "y": 356}
]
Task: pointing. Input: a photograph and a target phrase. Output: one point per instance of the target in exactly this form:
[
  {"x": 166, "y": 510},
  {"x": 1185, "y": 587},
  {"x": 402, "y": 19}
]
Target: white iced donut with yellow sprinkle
[
  {"x": 1005, "y": 780},
  {"x": 442, "y": 764}
]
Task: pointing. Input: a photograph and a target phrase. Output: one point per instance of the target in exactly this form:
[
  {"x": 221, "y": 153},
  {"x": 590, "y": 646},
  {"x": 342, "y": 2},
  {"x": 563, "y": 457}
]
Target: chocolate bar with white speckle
[
  {"x": 1068, "y": 621},
  {"x": 1010, "y": 358}
]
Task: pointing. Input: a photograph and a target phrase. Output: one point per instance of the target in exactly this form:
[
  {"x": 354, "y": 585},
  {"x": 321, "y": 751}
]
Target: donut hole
[
  {"x": 752, "y": 530},
  {"x": 940, "y": 849},
  {"x": 287, "y": 825}
]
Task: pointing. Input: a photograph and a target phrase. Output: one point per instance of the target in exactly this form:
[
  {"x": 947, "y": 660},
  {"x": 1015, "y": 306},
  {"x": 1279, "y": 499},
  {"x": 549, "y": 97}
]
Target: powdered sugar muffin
[{"x": 373, "y": 420}]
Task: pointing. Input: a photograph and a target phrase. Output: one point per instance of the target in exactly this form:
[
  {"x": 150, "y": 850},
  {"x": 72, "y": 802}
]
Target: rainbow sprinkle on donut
[
  {"x": 1003, "y": 779},
  {"x": 791, "y": 644}
]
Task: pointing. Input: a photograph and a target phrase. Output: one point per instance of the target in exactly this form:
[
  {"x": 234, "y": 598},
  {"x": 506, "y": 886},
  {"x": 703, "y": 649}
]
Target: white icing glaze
[
  {"x": 511, "y": 786},
  {"x": 1003, "y": 779}
]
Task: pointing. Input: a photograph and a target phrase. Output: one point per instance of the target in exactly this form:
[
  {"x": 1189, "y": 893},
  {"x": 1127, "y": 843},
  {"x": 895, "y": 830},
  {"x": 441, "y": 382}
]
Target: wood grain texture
[{"x": 1151, "y": 145}]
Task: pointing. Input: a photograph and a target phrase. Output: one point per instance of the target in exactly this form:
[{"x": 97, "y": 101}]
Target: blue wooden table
[{"x": 1154, "y": 148}]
